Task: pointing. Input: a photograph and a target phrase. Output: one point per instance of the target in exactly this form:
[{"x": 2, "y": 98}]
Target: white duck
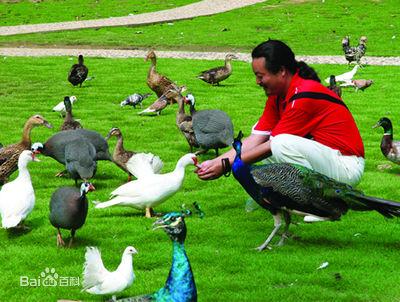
[
  {"x": 150, "y": 189},
  {"x": 17, "y": 198},
  {"x": 345, "y": 77},
  {"x": 60, "y": 107},
  {"x": 98, "y": 280}
]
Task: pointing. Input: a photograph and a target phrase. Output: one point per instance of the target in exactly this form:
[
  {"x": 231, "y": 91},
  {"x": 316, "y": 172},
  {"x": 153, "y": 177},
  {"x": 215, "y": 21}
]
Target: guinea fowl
[
  {"x": 334, "y": 87},
  {"x": 218, "y": 74},
  {"x": 68, "y": 209},
  {"x": 180, "y": 285},
  {"x": 60, "y": 107},
  {"x": 135, "y": 99},
  {"x": 157, "y": 82},
  {"x": 80, "y": 159},
  {"x": 98, "y": 280},
  {"x": 213, "y": 129},
  {"x": 354, "y": 53},
  {"x": 150, "y": 189},
  {"x": 17, "y": 198},
  {"x": 78, "y": 72},
  {"x": 122, "y": 157},
  {"x": 390, "y": 148},
  {"x": 69, "y": 122},
  {"x": 56, "y": 144},
  {"x": 283, "y": 188},
  {"x": 9, "y": 154}
]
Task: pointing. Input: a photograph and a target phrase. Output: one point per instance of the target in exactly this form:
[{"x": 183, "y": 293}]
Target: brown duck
[
  {"x": 9, "y": 155},
  {"x": 218, "y": 74},
  {"x": 121, "y": 157},
  {"x": 69, "y": 122},
  {"x": 157, "y": 82}
]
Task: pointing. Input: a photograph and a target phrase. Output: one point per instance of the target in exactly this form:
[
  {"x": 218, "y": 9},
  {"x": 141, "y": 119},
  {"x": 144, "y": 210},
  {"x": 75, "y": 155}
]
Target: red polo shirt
[{"x": 311, "y": 110}]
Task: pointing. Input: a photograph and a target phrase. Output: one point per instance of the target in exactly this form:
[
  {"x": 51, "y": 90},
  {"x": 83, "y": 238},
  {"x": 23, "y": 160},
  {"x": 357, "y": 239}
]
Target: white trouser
[{"x": 287, "y": 148}]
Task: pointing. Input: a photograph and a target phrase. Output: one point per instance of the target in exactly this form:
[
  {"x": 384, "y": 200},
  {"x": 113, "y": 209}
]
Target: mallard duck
[
  {"x": 69, "y": 122},
  {"x": 9, "y": 154},
  {"x": 17, "y": 198},
  {"x": 68, "y": 209},
  {"x": 333, "y": 86},
  {"x": 213, "y": 129},
  {"x": 135, "y": 99},
  {"x": 218, "y": 74},
  {"x": 157, "y": 82},
  {"x": 390, "y": 148},
  {"x": 284, "y": 188},
  {"x": 78, "y": 72},
  {"x": 98, "y": 280},
  {"x": 180, "y": 285},
  {"x": 60, "y": 107},
  {"x": 121, "y": 157},
  {"x": 150, "y": 189}
]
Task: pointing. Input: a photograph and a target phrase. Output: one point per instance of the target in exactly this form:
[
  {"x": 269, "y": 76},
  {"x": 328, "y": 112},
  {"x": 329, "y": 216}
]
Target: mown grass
[
  {"x": 32, "y": 12},
  {"x": 309, "y": 27},
  {"x": 361, "y": 267}
]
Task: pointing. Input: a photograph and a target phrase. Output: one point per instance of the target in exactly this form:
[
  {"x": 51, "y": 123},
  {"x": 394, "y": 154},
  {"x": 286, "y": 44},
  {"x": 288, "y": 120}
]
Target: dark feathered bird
[
  {"x": 354, "y": 53},
  {"x": 284, "y": 188},
  {"x": 218, "y": 74},
  {"x": 69, "y": 122},
  {"x": 334, "y": 87},
  {"x": 68, "y": 209},
  {"x": 213, "y": 129},
  {"x": 180, "y": 285},
  {"x": 390, "y": 148},
  {"x": 78, "y": 72}
]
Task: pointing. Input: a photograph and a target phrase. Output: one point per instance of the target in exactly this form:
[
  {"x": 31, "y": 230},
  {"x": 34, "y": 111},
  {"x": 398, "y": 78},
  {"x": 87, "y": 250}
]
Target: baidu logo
[{"x": 49, "y": 278}]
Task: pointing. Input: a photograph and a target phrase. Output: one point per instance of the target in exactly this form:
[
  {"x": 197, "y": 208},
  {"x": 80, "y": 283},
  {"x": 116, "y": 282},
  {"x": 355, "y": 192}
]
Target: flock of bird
[{"x": 279, "y": 188}]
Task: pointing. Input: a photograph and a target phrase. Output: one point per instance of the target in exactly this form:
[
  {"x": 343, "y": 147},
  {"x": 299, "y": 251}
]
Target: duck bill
[
  {"x": 34, "y": 158},
  {"x": 47, "y": 124},
  {"x": 376, "y": 125}
]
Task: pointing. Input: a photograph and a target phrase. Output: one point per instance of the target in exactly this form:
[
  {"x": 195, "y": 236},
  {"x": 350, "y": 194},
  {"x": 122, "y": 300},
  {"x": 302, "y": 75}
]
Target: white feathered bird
[
  {"x": 60, "y": 107},
  {"x": 150, "y": 189},
  {"x": 98, "y": 280},
  {"x": 345, "y": 77},
  {"x": 17, "y": 198}
]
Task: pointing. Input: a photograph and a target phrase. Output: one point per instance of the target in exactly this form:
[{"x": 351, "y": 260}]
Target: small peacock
[
  {"x": 180, "y": 285},
  {"x": 284, "y": 188}
]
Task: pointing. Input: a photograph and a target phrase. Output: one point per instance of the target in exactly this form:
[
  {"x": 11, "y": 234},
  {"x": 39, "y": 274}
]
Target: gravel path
[
  {"x": 118, "y": 53},
  {"x": 201, "y": 8}
]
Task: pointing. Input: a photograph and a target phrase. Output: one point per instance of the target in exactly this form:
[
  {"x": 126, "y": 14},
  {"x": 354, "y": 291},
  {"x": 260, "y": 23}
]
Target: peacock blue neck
[{"x": 180, "y": 285}]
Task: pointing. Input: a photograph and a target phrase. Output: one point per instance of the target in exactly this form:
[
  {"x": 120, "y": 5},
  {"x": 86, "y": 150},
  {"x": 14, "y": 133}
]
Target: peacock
[
  {"x": 180, "y": 285},
  {"x": 284, "y": 188}
]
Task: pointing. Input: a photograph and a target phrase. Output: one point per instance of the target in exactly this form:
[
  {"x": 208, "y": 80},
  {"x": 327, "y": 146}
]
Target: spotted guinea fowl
[
  {"x": 9, "y": 154},
  {"x": 213, "y": 129},
  {"x": 55, "y": 145},
  {"x": 158, "y": 82},
  {"x": 284, "y": 188},
  {"x": 98, "y": 280},
  {"x": 68, "y": 209},
  {"x": 17, "y": 198},
  {"x": 390, "y": 148},
  {"x": 78, "y": 72},
  {"x": 69, "y": 122},
  {"x": 334, "y": 87},
  {"x": 354, "y": 53},
  {"x": 180, "y": 285},
  {"x": 121, "y": 157},
  {"x": 60, "y": 107},
  {"x": 135, "y": 99},
  {"x": 150, "y": 189},
  {"x": 218, "y": 74}
]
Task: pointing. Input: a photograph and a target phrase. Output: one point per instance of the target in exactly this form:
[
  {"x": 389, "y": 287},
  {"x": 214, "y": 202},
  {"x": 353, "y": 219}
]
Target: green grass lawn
[
  {"x": 362, "y": 249},
  {"x": 32, "y": 12},
  {"x": 309, "y": 27}
]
